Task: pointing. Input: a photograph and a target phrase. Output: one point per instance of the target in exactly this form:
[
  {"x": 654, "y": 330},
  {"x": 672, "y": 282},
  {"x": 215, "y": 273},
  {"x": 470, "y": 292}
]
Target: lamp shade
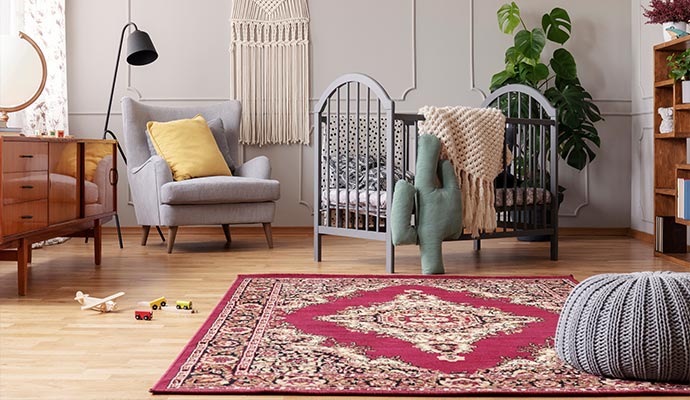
[{"x": 140, "y": 49}]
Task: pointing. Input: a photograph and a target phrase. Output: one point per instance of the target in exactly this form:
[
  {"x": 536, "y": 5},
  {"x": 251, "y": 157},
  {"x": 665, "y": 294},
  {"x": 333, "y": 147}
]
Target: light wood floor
[{"x": 50, "y": 349}]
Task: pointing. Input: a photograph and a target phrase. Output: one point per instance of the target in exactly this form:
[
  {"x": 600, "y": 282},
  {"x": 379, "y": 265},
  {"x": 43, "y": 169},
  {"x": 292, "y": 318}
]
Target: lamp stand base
[{"x": 3, "y": 119}]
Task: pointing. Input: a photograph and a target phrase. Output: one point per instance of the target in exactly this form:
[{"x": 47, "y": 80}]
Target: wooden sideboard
[{"x": 53, "y": 187}]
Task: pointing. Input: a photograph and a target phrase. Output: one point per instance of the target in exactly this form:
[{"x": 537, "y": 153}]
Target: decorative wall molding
[
  {"x": 301, "y": 200},
  {"x": 414, "y": 54},
  {"x": 473, "y": 83},
  {"x": 413, "y": 85},
  {"x": 584, "y": 203},
  {"x": 639, "y": 54},
  {"x": 641, "y": 188}
]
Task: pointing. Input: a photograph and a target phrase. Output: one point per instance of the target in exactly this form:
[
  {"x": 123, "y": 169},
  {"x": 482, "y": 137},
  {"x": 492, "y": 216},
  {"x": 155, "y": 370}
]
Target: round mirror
[{"x": 23, "y": 74}]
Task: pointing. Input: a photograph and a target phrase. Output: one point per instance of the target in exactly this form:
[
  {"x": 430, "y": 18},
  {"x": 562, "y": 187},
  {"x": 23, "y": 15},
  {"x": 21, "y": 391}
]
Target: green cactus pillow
[{"x": 438, "y": 206}]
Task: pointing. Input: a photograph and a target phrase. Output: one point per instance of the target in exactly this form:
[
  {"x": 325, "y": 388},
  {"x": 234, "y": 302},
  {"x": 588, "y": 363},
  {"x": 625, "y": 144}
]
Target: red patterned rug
[{"x": 387, "y": 335}]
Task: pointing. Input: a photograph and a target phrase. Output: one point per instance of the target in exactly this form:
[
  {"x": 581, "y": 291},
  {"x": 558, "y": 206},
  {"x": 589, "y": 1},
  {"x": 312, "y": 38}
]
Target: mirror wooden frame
[{"x": 4, "y": 110}]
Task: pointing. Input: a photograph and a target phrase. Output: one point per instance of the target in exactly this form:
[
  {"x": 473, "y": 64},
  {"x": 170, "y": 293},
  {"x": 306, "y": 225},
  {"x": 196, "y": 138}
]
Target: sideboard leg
[
  {"x": 22, "y": 265},
  {"x": 97, "y": 231}
]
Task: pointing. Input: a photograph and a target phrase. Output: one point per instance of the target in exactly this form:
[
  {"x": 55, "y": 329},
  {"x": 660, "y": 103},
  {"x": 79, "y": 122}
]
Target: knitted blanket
[{"x": 472, "y": 139}]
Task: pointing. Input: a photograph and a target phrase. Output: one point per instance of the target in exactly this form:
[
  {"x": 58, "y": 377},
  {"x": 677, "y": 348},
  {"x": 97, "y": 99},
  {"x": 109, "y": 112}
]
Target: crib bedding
[{"x": 354, "y": 198}]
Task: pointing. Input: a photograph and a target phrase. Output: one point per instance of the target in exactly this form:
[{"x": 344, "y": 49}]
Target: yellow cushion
[
  {"x": 188, "y": 146},
  {"x": 95, "y": 152}
]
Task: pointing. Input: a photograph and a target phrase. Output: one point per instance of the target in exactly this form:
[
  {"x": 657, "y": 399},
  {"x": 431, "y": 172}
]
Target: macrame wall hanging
[{"x": 270, "y": 47}]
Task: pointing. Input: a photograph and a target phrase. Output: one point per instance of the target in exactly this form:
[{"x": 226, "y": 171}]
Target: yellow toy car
[
  {"x": 183, "y": 304},
  {"x": 158, "y": 303}
]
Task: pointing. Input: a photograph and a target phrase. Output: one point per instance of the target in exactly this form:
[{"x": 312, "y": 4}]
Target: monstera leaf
[
  {"x": 574, "y": 144},
  {"x": 508, "y": 17},
  {"x": 557, "y": 25},
  {"x": 533, "y": 74},
  {"x": 530, "y": 43},
  {"x": 563, "y": 64}
]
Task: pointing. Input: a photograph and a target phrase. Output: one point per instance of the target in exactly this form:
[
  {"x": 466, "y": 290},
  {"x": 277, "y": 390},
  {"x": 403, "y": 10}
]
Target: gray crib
[{"x": 362, "y": 147}]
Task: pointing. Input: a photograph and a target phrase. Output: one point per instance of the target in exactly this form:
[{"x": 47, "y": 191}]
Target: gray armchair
[{"x": 247, "y": 197}]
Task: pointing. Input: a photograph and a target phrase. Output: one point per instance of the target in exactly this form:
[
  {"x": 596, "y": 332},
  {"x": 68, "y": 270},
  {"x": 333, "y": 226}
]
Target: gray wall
[{"x": 435, "y": 52}]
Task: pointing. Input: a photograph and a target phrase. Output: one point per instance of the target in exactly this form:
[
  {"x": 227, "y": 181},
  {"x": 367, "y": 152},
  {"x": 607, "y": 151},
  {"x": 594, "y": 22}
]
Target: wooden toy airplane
[{"x": 103, "y": 305}]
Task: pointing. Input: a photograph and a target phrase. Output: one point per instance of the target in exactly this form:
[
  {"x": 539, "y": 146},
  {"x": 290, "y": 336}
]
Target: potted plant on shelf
[
  {"x": 673, "y": 16},
  {"x": 679, "y": 65}
]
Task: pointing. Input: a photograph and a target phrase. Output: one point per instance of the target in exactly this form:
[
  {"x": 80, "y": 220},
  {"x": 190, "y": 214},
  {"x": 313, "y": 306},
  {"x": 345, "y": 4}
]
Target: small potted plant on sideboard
[{"x": 679, "y": 69}]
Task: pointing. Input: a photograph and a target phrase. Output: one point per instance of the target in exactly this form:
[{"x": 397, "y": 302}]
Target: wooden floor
[{"x": 50, "y": 349}]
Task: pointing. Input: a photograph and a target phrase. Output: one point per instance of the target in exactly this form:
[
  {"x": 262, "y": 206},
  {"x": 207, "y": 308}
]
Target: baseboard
[
  {"x": 593, "y": 231},
  {"x": 212, "y": 229},
  {"x": 308, "y": 230},
  {"x": 643, "y": 236}
]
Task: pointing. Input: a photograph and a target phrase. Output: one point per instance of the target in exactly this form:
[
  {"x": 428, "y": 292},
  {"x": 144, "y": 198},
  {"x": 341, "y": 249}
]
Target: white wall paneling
[{"x": 644, "y": 37}]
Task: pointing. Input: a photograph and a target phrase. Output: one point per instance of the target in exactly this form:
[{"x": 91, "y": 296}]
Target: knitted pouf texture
[{"x": 629, "y": 326}]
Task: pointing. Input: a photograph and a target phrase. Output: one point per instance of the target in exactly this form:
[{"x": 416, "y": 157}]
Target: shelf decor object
[
  {"x": 671, "y": 15},
  {"x": 140, "y": 51},
  {"x": 670, "y": 154}
]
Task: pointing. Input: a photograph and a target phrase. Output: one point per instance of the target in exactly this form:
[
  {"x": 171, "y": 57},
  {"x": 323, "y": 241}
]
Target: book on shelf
[
  {"x": 669, "y": 236},
  {"x": 683, "y": 198}
]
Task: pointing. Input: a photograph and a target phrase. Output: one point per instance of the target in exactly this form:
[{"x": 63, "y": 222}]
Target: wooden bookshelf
[{"x": 670, "y": 153}]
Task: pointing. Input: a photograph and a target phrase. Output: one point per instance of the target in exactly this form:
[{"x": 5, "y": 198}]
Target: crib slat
[
  {"x": 534, "y": 184},
  {"x": 390, "y": 158},
  {"x": 348, "y": 186},
  {"x": 378, "y": 168},
  {"x": 357, "y": 155},
  {"x": 366, "y": 178},
  {"x": 328, "y": 164},
  {"x": 337, "y": 160},
  {"x": 543, "y": 178}
]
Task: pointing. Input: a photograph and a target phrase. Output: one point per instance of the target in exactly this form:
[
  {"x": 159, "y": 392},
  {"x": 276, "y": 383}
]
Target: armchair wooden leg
[
  {"x": 226, "y": 231},
  {"x": 145, "y": 234},
  {"x": 171, "y": 238},
  {"x": 269, "y": 235}
]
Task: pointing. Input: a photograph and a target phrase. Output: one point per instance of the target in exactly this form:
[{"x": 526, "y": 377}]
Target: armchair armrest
[
  {"x": 257, "y": 167},
  {"x": 145, "y": 182}
]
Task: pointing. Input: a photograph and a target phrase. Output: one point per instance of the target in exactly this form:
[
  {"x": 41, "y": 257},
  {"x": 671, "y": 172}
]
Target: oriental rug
[{"x": 387, "y": 335}]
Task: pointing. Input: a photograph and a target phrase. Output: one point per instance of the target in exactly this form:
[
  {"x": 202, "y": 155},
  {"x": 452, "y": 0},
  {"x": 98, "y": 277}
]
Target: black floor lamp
[{"x": 140, "y": 51}]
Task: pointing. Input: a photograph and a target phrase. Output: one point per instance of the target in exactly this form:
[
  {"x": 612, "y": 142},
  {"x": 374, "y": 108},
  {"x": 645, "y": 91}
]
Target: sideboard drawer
[
  {"x": 24, "y": 156},
  {"x": 18, "y": 187},
  {"x": 24, "y": 217}
]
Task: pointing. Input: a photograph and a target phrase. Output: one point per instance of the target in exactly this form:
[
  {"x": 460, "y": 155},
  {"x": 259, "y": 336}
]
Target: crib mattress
[{"x": 353, "y": 198}]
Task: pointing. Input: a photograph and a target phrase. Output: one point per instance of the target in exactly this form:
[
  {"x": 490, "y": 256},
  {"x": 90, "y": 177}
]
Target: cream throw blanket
[{"x": 472, "y": 139}]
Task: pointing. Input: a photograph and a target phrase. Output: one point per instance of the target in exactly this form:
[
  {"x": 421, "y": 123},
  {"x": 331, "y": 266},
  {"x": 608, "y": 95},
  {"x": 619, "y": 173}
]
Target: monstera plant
[{"x": 557, "y": 79}]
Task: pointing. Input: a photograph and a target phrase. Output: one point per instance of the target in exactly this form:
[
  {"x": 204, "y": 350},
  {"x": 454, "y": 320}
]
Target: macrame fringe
[{"x": 270, "y": 46}]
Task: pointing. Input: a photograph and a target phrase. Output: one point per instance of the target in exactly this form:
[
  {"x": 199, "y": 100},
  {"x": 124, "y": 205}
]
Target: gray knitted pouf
[{"x": 630, "y": 326}]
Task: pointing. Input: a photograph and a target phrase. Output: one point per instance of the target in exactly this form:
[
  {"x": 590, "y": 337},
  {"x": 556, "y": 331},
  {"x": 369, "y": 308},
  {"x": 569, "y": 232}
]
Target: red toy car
[{"x": 145, "y": 315}]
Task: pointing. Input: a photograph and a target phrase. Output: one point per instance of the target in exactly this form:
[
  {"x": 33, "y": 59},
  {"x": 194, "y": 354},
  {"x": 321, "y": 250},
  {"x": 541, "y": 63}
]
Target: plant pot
[
  {"x": 678, "y": 25},
  {"x": 685, "y": 89}
]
